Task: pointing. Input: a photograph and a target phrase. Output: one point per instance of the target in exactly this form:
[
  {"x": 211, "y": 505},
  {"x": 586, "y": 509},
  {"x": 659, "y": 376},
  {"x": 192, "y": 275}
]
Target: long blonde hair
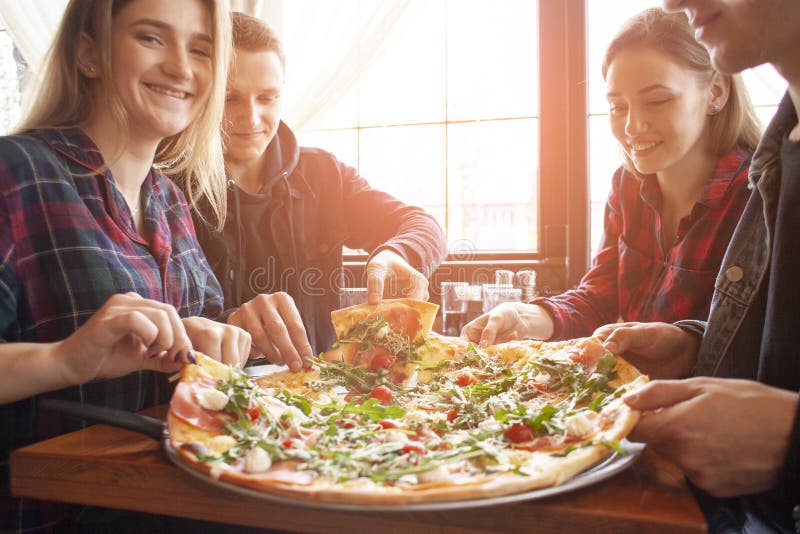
[
  {"x": 736, "y": 124},
  {"x": 64, "y": 98}
]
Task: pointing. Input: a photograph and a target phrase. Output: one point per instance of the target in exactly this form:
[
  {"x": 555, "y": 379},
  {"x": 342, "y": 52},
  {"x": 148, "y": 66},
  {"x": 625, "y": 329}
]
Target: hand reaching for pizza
[
  {"x": 729, "y": 436},
  {"x": 390, "y": 276},
  {"x": 507, "y": 322},
  {"x": 277, "y": 330},
  {"x": 226, "y": 343},
  {"x": 126, "y": 334},
  {"x": 660, "y": 350}
]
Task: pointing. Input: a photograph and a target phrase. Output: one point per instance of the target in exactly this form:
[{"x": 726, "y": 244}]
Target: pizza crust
[
  {"x": 344, "y": 319},
  {"x": 543, "y": 468}
]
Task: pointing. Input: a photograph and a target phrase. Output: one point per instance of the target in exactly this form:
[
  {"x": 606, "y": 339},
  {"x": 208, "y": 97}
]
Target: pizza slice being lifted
[{"x": 381, "y": 335}]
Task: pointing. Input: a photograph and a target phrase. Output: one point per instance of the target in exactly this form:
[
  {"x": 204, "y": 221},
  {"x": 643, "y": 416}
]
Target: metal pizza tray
[
  {"x": 611, "y": 466},
  {"x": 263, "y": 369},
  {"x": 157, "y": 429},
  {"x": 614, "y": 464}
]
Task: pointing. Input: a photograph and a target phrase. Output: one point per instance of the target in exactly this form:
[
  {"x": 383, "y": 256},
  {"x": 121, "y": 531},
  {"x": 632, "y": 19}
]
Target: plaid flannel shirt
[
  {"x": 632, "y": 277},
  {"x": 67, "y": 243}
]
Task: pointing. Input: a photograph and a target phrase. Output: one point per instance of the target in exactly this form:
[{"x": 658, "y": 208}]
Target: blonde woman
[
  {"x": 687, "y": 133},
  {"x": 101, "y": 277}
]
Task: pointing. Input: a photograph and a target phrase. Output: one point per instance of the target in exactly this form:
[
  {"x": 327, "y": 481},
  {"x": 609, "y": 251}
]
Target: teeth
[
  {"x": 168, "y": 92},
  {"x": 638, "y": 147}
]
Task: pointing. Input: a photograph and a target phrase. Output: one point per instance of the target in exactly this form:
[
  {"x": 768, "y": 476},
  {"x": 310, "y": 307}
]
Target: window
[
  {"x": 441, "y": 103},
  {"x": 446, "y": 117},
  {"x": 765, "y": 86}
]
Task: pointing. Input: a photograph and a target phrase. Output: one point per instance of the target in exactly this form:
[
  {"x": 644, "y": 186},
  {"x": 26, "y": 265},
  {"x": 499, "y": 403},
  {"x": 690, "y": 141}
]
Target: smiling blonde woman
[{"x": 102, "y": 280}]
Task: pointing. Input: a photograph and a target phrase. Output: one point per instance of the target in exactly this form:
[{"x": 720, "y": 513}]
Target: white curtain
[
  {"x": 32, "y": 24},
  {"x": 328, "y": 46}
]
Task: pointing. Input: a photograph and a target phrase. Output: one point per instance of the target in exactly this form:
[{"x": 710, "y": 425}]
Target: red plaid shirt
[{"x": 632, "y": 277}]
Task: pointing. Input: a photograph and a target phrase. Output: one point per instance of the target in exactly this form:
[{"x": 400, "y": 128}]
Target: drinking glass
[
  {"x": 504, "y": 277},
  {"x": 454, "y": 307},
  {"x": 474, "y": 303},
  {"x": 526, "y": 281},
  {"x": 494, "y": 294}
]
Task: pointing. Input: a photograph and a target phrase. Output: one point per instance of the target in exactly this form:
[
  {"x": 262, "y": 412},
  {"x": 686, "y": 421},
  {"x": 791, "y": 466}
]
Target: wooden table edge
[{"x": 30, "y": 465}]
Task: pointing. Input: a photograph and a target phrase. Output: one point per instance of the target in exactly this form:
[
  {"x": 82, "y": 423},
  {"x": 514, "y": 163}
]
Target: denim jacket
[
  {"x": 732, "y": 336},
  {"x": 746, "y": 262}
]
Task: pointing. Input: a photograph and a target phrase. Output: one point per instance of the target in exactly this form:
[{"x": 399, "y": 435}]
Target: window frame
[{"x": 563, "y": 223}]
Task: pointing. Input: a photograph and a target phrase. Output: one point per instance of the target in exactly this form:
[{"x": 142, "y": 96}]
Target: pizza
[
  {"x": 397, "y": 415},
  {"x": 387, "y": 330}
]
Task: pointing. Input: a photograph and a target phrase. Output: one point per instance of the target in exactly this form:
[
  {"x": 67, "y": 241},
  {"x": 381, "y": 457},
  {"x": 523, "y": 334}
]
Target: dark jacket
[
  {"x": 752, "y": 328},
  {"x": 312, "y": 206}
]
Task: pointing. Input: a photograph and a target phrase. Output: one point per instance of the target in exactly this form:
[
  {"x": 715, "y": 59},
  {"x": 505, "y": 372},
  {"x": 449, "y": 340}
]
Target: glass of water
[
  {"x": 454, "y": 307},
  {"x": 494, "y": 294}
]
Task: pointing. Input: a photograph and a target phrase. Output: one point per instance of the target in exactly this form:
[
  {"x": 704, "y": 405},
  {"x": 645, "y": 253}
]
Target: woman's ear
[
  {"x": 720, "y": 90},
  {"x": 86, "y": 56}
]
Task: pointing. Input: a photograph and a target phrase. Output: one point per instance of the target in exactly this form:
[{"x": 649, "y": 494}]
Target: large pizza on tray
[{"x": 398, "y": 415}]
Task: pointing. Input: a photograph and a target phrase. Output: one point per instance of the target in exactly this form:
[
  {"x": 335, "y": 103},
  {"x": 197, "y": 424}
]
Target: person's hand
[
  {"x": 729, "y": 436},
  {"x": 509, "y": 321},
  {"x": 126, "y": 334},
  {"x": 226, "y": 343},
  {"x": 660, "y": 350},
  {"x": 390, "y": 276},
  {"x": 277, "y": 329}
]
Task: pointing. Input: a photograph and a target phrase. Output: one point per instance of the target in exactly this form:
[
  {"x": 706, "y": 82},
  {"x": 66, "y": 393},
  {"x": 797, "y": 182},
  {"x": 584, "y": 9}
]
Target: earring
[{"x": 715, "y": 109}]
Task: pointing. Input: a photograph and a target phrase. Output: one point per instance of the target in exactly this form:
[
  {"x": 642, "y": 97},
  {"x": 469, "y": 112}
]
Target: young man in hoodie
[
  {"x": 291, "y": 209},
  {"x": 737, "y": 435}
]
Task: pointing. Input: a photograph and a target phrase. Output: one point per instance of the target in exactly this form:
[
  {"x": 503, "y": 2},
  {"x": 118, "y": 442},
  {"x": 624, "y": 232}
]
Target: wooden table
[{"x": 110, "y": 467}]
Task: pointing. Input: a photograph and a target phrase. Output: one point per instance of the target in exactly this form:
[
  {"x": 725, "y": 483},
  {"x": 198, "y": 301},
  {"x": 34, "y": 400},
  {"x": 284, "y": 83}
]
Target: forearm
[
  {"x": 377, "y": 220},
  {"x": 420, "y": 241},
  {"x": 595, "y": 302},
  {"x": 28, "y": 369}
]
